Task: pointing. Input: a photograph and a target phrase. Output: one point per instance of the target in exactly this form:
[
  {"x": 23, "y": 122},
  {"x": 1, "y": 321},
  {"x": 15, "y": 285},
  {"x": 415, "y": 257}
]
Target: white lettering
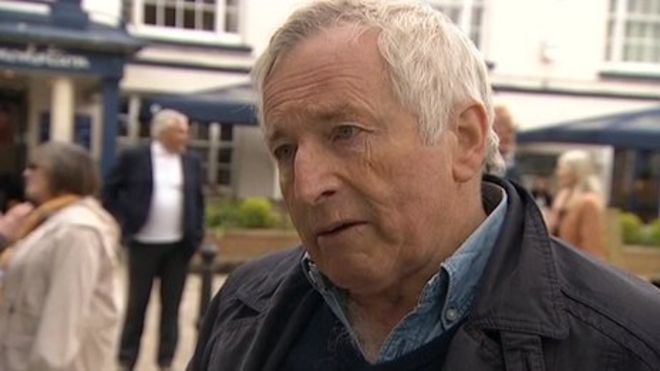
[{"x": 49, "y": 58}]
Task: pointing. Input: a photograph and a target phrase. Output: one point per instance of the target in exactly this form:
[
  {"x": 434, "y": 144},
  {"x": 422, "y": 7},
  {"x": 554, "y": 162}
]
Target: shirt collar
[
  {"x": 465, "y": 267},
  {"x": 158, "y": 149},
  {"x": 453, "y": 288}
]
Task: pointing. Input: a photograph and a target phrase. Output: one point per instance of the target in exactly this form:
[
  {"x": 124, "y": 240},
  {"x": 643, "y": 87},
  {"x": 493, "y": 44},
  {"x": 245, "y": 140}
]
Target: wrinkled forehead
[{"x": 347, "y": 56}]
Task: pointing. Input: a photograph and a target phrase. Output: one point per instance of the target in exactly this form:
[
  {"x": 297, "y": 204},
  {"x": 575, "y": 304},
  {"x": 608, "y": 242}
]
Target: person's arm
[
  {"x": 592, "y": 227},
  {"x": 74, "y": 272},
  {"x": 199, "y": 195},
  {"x": 11, "y": 223},
  {"x": 114, "y": 184}
]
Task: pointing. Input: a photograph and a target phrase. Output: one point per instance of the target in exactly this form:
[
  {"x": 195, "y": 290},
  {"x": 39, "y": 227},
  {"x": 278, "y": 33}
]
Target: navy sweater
[{"x": 324, "y": 345}]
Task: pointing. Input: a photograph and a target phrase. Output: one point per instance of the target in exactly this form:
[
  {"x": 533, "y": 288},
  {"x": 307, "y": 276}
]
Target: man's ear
[{"x": 471, "y": 130}]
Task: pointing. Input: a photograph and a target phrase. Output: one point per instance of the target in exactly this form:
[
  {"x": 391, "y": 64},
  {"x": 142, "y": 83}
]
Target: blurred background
[{"x": 573, "y": 74}]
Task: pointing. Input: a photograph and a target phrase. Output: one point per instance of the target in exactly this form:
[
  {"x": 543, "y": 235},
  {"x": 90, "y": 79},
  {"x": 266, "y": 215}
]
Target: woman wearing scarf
[{"x": 58, "y": 304}]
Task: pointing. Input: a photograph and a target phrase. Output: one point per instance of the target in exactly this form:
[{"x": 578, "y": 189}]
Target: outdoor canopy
[
  {"x": 633, "y": 130},
  {"x": 229, "y": 105}
]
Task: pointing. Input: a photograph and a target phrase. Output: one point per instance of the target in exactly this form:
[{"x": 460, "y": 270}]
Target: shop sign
[
  {"x": 51, "y": 58},
  {"x": 48, "y": 58}
]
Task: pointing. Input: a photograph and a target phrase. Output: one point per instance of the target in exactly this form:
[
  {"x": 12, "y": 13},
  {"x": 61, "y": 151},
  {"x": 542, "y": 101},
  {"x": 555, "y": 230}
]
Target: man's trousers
[{"x": 146, "y": 262}]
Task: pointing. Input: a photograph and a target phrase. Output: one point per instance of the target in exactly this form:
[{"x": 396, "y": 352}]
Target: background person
[
  {"x": 505, "y": 128},
  {"x": 155, "y": 191},
  {"x": 58, "y": 309},
  {"x": 577, "y": 213},
  {"x": 378, "y": 116},
  {"x": 12, "y": 221}
]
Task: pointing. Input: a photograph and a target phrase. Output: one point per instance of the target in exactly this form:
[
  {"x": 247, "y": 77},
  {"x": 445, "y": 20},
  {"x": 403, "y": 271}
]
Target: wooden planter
[
  {"x": 238, "y": 246},
  {"x": 643, "y": 261}
]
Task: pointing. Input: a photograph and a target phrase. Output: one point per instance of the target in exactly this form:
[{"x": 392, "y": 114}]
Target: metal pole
[{"x": 208, "y": 253}]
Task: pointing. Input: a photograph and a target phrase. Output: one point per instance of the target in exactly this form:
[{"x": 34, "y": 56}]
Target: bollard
[{"x": 208, "y": 252}]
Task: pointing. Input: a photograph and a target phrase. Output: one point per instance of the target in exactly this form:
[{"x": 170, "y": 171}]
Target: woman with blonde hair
[
  {"x": 58, "y": 306},
  {"x": 577, "y": 213}
]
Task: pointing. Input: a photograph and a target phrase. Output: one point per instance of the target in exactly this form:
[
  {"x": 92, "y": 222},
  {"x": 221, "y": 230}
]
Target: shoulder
[
  {"x": 589, "y": 201},
  {"x": 192, "y": 157},
  {"x": 260, "y": 278},
  {"x": 86, "y": 214},
  {"x": 612, "y": 301},
  {"x": 135, "y": 152}
]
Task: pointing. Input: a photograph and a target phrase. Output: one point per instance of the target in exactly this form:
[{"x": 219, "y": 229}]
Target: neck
[{"x": 373, "y": 316}]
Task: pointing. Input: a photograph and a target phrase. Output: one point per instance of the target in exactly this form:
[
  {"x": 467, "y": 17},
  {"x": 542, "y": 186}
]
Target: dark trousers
[{"x": 168, "y": 262}]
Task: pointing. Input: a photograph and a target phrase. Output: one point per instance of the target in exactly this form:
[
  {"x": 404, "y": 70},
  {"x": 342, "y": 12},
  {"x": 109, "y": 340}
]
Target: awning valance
[
  {"x": 229, "y": 105},
  {"x": 633, "y": 130}
]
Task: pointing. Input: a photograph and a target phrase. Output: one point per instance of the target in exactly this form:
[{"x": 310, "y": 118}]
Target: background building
[{"x": 551, "y": 61}]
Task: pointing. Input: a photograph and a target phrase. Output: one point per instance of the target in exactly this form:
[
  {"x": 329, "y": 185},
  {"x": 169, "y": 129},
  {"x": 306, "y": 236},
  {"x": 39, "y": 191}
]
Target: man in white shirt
[{"x": 155, "y": 193}]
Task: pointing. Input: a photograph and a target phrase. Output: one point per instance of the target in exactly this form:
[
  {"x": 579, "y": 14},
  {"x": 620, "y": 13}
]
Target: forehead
[
  {"x": 336, "y": 71},
  {"x": 177, "y": 124}
]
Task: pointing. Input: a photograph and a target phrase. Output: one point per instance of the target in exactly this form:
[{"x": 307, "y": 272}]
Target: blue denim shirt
[{"x": 445, "y": 300}]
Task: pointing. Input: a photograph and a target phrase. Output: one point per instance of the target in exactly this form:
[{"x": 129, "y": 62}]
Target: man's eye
[
  {"x": 346, "y": 132},
  {"x": 283, "y": 152}
]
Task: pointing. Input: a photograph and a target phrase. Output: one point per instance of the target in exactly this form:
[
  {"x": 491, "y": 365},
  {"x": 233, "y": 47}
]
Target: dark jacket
[
  {"x": 542, "y": 306},
  {"x": 128, "y": 187}
]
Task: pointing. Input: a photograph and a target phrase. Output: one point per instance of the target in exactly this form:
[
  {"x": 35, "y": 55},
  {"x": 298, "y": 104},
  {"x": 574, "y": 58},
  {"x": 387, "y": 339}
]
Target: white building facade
[{"x": 551, "y": 61}]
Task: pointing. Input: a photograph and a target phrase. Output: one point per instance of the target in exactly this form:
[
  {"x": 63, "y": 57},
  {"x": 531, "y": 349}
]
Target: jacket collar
[
  {"x": 519, "y": 289},
  {"x": 259, "y": 290}
]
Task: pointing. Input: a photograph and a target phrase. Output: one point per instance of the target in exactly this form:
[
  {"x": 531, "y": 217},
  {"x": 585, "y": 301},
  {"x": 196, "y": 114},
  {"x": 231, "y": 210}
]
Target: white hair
[
  {"x": 433, "y": 66},
  {"x": 164, "y": 120},
  {"x": 580, "y": 164}
]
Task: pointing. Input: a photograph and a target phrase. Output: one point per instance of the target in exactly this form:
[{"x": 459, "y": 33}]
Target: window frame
[
  {"x": 218, "y": 36},
  {"x": 615, "y": 41},
  {"x": 464, "y": 21}
]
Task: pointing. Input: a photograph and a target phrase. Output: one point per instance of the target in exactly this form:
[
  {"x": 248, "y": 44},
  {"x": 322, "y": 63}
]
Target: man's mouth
[{"x": 334, "y": 229}]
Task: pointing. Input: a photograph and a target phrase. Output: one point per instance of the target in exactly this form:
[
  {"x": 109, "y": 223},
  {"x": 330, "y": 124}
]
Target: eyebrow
[{"x": 327, "y": 113}]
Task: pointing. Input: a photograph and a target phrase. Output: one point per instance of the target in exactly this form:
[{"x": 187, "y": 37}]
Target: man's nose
[{"x": 315, "y": 177}]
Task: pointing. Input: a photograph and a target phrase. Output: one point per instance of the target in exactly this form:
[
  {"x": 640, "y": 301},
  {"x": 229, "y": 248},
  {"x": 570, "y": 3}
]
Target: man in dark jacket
[
  {"x": 155, "y": 192},
  {"x": 379, "y": 117}
]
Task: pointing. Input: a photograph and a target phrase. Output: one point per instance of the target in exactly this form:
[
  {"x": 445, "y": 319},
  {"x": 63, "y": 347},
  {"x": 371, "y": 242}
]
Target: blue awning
[
  {"x": 633, "y": 130},
  {"x": 229, "y": 105}
]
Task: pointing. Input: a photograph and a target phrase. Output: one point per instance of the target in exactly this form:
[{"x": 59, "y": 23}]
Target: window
[
  {"x": 467, "y": 14},
  {"x": 633, "y": 31},
  {"x": 192, "y": 17}
]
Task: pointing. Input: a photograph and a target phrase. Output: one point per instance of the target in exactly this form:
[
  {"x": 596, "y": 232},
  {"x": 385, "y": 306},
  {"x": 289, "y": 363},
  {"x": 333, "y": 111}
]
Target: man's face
[
  {"x": 175, "y": 138},
  {"x": 507, "y": 134},
  {"x": 370, "y": 201}
]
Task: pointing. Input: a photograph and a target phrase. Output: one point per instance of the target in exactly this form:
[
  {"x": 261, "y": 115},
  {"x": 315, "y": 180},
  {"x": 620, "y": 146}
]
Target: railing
[{"x": 208, "y": 253}]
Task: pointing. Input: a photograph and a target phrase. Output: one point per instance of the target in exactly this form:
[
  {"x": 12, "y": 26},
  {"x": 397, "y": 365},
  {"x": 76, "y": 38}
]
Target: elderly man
[
  {"x": 378, "y": 115},
  {"x": 155, "y": 191}
]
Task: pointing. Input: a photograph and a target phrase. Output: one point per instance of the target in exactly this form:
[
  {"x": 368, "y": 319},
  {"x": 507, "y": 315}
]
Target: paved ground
[{"x": 187, "y": 322}]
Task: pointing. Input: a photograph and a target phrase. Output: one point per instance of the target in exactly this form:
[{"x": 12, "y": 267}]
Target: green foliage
[
  {"x": 256, "y": 212},
  {"x": 631, "y": 228},
  {"x": 636, "y": 233},
  {"x": 222, "y": 214},
  {"x": 654, "y": 232}
]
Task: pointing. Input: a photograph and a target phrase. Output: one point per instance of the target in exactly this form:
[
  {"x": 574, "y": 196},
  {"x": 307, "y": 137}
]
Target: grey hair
[
  {"x": 68, "y": 167},
  {"x": 164, "y": 120},
  {"x": 582, "y": 166},
  {"x": 433, "y": 66}
]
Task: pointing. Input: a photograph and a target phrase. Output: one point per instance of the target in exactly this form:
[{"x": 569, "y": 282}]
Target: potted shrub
[
  {"x": 639, "y": 252},
  {"x": 247, "y": 229}
]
